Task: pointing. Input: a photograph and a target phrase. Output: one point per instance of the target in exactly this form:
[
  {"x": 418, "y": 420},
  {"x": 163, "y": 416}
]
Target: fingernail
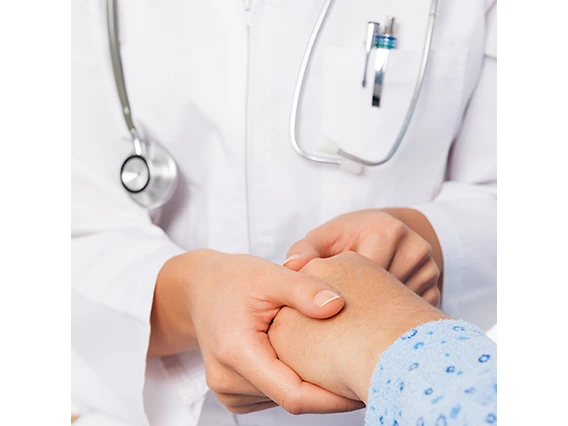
[
  {"x": 291, "y": 258},
  {"x": 324, "y": 297}
]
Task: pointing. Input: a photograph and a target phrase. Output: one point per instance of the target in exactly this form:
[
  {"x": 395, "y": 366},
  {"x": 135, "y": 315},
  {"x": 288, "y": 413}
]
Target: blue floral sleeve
[{"x": 441, "y": 373}]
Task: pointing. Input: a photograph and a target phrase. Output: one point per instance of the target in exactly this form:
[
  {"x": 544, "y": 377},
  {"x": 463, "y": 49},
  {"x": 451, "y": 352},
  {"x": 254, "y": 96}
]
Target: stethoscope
[{"x": 149, "y": 175}]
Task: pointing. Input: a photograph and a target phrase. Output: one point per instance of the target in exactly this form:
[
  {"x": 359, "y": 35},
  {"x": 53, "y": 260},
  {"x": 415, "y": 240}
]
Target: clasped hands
[{"x": 273, "y": 335}]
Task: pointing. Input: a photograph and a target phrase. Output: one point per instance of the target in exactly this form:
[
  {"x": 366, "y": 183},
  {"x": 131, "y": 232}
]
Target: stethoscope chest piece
[
  {"x": 149, "y": 176},
  {"x": 135, "y": 174}
]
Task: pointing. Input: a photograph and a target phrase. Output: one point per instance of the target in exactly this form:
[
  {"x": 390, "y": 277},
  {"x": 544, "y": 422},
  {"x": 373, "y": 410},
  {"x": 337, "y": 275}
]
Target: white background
[{"x": 35, "y": 110}]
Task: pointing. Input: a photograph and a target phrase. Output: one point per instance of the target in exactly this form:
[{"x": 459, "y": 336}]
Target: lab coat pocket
[
  {"x": 348, "y": 117},
  {"x": 350, "y": 120}
]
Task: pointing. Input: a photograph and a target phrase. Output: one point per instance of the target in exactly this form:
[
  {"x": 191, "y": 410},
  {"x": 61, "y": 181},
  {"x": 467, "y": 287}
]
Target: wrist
[
  {"x": 197, "y": 267},
  {"x": 171, "y": 321},
  {"x": 375, "y": 344}
]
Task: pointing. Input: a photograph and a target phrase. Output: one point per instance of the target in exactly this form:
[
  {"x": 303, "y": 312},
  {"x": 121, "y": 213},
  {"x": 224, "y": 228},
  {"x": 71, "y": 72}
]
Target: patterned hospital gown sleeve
[{"x": 442, "y": 373}]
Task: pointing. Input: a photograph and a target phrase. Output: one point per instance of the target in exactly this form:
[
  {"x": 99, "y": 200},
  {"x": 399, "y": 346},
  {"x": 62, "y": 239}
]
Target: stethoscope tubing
[
  {"x": 117, "y": 66},
  {"x": 300, "y": 83}
]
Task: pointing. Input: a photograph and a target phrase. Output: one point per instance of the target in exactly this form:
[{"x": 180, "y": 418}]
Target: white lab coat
[{"x": 220, "y": 101}]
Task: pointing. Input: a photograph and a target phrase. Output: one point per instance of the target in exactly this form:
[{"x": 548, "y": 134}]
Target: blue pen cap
[{"x": 386, "y": 40}]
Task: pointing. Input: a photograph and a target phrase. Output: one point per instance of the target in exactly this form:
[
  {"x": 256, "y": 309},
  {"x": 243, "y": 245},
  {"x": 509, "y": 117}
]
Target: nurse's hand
[
  {"x": 340, "y": 353},
  {"x": 400, "y": 240},
  {"x": 229, "y": 302}
]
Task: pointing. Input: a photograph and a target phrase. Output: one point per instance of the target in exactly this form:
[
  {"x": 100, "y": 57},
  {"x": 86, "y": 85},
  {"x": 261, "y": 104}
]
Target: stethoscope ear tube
[{"x": 150, "y": 174}]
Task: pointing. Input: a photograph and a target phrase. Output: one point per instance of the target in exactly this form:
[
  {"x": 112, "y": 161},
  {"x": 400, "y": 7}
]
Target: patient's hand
[{"x": 340, "y": 353}]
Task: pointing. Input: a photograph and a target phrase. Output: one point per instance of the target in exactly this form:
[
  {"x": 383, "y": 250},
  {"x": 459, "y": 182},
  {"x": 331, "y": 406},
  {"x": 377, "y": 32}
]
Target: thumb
[
  {"x": 300, "y": 254},
  {"x": 308, "y": 295}
]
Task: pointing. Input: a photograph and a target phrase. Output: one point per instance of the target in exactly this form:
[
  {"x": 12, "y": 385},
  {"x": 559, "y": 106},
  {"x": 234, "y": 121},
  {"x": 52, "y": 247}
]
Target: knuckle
[
  {"x": 218, "y": 381},
  {"x": 427, "y": 278},
  {"x": 395, "y": 231},
  {"x": 347, "y": 255},
  {"x": 236, "y": 409},
  {"x": 225, "y": 399},
  {"x": 425, "y": 249},
  {"x": 433, "y": 272},
  {"x": 233, "y": 409},
  {"x": 222, "y": 387},
  {"x": 233, "y": 400},
  {"x": 293, "y": 405},
  {"x": 380, "y": 217},
  {"x": 212, "y": 378},
  {"x": 433, "y": 297},
  {"x": 421, "y": 253},
  {"x": 314, "y": 265},
  {"x": 226, "y": 352}
]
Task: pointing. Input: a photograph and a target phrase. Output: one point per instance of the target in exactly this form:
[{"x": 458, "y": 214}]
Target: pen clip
[
  {"x": 373, "y": 32},
  {"x": 385, "y": 43}
]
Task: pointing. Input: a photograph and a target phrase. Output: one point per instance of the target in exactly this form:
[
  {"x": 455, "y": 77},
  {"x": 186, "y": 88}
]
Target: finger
[
  {"x": 433, "y": 296},
  {"x": 308, "y": 295},
  {"x": 239, "y": 400},
  {"x": 285, "y": 387},
  {"x": 410, "y": 255},
  {"x": 324, "y": 241},
  {"x": 300, "y": 254},
  {"x": 223, "y": 381},
  {"x": 424, "y": 278},
  {"x": 379, "y": 249},
  {"x": 245, "y": 409}
]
